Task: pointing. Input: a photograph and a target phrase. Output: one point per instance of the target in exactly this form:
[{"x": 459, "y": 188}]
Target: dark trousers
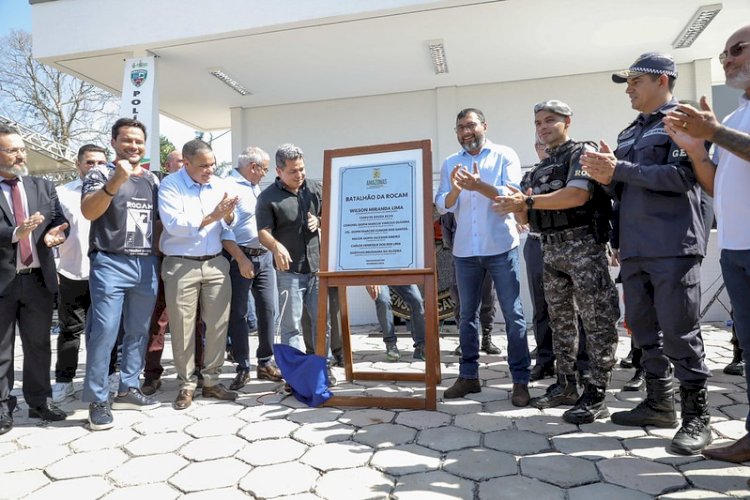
[
  {"x": 263, "y": 288},
  {"x": 26, "y": 302},
  {"x": 545, "y": 355},
  {"x": 74, "y": 300},
  {"x": 157, "y": 331},
  {"x": 663, "y": 306}
]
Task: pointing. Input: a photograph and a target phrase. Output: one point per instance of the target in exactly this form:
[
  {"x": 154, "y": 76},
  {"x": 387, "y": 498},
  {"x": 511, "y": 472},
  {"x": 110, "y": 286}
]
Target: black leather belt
[
  {"x": 28, "y": 270},
  {"x": 199, "y": 258},
  {"x": 575, "y": 233},
  {"x": 253, "y": 252}
]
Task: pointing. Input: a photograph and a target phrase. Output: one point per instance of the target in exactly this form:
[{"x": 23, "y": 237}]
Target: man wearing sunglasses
[
  {"x": 661, "y": 248},
  {"x": 727, "y": 177}
]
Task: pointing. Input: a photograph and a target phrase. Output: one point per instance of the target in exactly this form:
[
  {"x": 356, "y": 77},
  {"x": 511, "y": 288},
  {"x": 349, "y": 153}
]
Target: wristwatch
[{"x": 530, "y": 202}]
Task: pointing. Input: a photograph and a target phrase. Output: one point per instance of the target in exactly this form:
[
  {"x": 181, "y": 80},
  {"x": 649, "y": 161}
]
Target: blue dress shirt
[
  {"x": 480, "y": 231},
  {"x": 244, "y": 228},
  {"x": 183, "y": 203}
]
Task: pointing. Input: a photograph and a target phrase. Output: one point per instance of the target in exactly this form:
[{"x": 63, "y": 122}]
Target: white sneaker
[{"x": 61, "y": 390}]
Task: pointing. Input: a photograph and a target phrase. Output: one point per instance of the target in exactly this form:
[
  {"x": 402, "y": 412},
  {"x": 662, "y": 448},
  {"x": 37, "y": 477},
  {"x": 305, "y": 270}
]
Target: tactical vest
[{"x": 550, "y": 175}]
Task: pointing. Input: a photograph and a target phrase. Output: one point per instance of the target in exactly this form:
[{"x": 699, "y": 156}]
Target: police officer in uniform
[
  {"x": 661, "y": 248},
  {"x": 572, "y": 213}
]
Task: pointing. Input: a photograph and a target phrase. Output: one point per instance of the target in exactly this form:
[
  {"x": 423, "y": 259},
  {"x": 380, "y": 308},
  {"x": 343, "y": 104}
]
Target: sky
[{"x": 16, "y": 15}]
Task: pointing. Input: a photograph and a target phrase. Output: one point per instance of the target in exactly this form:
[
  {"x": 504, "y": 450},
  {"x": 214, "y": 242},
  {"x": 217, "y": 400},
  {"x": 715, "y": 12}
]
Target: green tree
[{"x": 165, "y": 147}]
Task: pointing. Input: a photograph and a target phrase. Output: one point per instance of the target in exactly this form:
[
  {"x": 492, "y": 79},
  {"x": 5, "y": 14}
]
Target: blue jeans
[
  {"x": 120, "y": 286},
  {"x": 298, "y": 295},
  {"x": 505, "y": 272},
  {"x": 411, "y": 295},
  {"x": 735, "y": 267},
  {"x": 263, "y": 287}
]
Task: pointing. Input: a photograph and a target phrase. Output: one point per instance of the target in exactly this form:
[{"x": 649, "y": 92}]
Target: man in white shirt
[
  {"x": 727, "y": 178},
  {"x": 73, "y": 273}
]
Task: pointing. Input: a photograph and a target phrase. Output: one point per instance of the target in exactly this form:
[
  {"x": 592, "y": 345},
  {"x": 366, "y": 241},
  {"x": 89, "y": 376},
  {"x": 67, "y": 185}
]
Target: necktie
[{"x": 20, "y": 215}]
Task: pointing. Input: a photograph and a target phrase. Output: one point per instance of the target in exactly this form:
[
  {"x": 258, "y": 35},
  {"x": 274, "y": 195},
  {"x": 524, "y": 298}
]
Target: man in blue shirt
[
  {"x": 485, "y": 242},
  {"x": 194, "y": 205},
  {"x": 251, "y": 269}
]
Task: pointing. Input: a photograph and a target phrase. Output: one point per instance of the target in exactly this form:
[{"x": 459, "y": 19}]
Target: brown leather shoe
[
  {"x": 184, "y": 399},
  {"x": 218, "y": 391},
  {"x": 461, "y": 387},
  {"x": 520, "y": 396},
  {"x": 150, "y": 386},
  {"x": 737, "y": 452},
  {"x": 269, "y": 372}
]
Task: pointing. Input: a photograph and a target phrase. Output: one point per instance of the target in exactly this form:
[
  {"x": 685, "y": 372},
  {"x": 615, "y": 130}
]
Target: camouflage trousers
[{"x": 576, "y": 278}]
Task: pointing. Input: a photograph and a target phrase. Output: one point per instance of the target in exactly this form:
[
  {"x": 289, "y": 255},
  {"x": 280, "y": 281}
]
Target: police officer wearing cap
[
  {"x": 661, "y": 248},
  {"x": 572, "y": 213}
]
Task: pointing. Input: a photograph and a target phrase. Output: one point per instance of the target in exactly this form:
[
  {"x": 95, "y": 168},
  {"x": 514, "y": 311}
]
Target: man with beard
[
  {"x": 120, "y": 201},
  {"x": 727, "y": 178},
  {"x": 485, "y": 243},
  {"x": 32, "y": 222},
  {"x": 661, "y": 248}
]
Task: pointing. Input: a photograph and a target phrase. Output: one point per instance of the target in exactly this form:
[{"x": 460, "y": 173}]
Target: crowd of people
[{"x": 190, "y": 249}]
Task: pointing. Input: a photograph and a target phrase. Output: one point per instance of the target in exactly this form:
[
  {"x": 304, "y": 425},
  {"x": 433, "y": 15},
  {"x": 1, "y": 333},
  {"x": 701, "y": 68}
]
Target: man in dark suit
[{"x": 31, "y": 222}]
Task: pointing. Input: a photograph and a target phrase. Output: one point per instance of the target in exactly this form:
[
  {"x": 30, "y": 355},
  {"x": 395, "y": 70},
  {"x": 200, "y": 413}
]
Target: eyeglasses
[
  {"x": 734, "y": 51},
  {"x": 468, "y": 127},
  {"x": 13, "y": 151}
]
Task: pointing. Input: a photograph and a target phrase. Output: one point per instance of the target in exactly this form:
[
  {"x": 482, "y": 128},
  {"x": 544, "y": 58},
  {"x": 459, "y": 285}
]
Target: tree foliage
[
  {"x": 56, "y": 104},
  {"x": 165, "y": 147}
]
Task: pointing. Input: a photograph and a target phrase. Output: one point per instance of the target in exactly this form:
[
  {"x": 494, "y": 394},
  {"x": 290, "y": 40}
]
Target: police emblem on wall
[{"x": 138, "y": 76}]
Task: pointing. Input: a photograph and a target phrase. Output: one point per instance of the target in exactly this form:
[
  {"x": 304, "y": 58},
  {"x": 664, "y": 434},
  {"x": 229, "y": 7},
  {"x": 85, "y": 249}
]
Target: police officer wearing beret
[
  {"x": 661, "y": 248},
  {"x": 572, "y": 214}
]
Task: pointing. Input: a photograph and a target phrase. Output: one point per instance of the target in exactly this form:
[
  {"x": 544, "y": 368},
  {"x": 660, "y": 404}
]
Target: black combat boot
[
  {"x": 589, "y": 407},
  {"x": 637, "y": 382},
  {"x": 737, "y": 366},
  {"x": 657, "y": 409},
  {"x": 562, "y": 392},
  {"x": 487, "y": 345},
  {"x": 695, "y": 433}
]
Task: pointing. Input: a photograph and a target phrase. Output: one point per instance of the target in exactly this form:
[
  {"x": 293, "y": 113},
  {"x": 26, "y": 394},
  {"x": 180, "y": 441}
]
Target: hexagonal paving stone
[
  {"x": 608, "y": 429},
  {"x": 405, "y": 459},
  {"x": 325, "y": 432},
  {"x": 314, "y": 415},
  {"x": 271, "y": 451},
  {"x": 517, "y": 442},
  {"x": 459, "y": 406},
  {"x": 483, "y": 422},
  {"x": 519, "y": 487},
  {"x": 643, "y": 475},
  {"x": 211, "y": 448},
  {"x": 360, "y": 482},
  {"x": 156, "y": 445},
  {"x": 146, "y": 491},
  {"x": 589, "y": 446},
  {"x": 545, "y": 424},
  {"x": 50, "y": 436},
  {"x": 342, "y": 455},
  {"x": 210, "y": 475},
  {"x": 94, "y": 487},
  {"x": 489, "y": 394},
  {"x": 222, "y": 493},
  {"x": 20, "y": 484},
  {"x": 385, "y": 435},
  {"x": 422, "y": 419},
  {"x": 150, "y": 469},
  {"x": 173, "y": 423},
  {"x": 7, "y": 447},
  {"x": 264, "y": 412},
  {"x": 267, "y": 430},
  {"x": 91, "y": 463},
  {"x": 731, "y": 429},
  {"x": 35, "y": 458},
  {"x": 113, "y": 438},
  {"x": 719, "y": 476},
  {"x": 608, "y": 491},
  {"x": 480, "y": 464},
  {"x": 655, "y": 448},
  {"x": 215, "y": 427},
  {"x": 280, "y": 479},
  {"x": 202, "y": 409},
  {"x": 694, "y": 494},
  {"x": 560, "y": 470},
  {"x": 448, "y": 438},
  {"x": 369, "y": 416},
  {"x": 439, "y": 484}
]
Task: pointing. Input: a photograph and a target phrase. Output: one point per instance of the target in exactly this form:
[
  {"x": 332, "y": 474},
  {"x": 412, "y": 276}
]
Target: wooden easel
[{"x": 342, "y": 279}]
